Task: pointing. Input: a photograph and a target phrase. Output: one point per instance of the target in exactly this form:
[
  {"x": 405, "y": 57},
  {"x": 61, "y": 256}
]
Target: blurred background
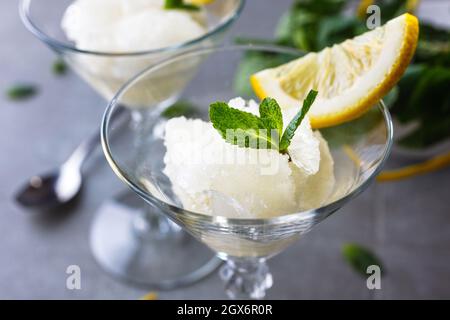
[{"x": 403, "y": 223}]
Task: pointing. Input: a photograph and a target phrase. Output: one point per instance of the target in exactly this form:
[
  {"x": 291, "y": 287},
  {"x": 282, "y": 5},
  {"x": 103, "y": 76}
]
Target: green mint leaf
[
  {"x": 59, "y": 67},
  {"x": 430, "y": 87},
  {"x": 21, "y": 91},
  {"x": 336, "y": 29},
  {"x": 296, "y": 121},
  {"x": 321, "y": 7},
  {"x": 178, "y": 109},
  {"x": 359, "y": 258},
  {"x": 271, "y": 116},
  {"x": 240, "y": 128},
  {"x": 252, "y": 62},
  {"x": 179, "y": 4}
]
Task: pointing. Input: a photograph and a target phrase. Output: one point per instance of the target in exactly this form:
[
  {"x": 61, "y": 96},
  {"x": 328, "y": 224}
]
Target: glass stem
[
  {"x": 246, "y": 278},
  {"x": 139, "y": 119},
  {"x": 150, "y": 224}
]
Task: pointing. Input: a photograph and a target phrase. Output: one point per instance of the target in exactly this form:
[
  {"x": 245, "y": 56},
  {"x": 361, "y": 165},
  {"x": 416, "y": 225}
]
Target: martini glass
[
  {"x": 359, "y": 149},
  {"x": 129, "y": 239}
]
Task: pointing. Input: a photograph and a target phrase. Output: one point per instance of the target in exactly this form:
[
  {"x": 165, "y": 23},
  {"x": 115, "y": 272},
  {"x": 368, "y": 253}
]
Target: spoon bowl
[
  {"x": 60, "y": 186},
  {"x": 50, "y": 190}
]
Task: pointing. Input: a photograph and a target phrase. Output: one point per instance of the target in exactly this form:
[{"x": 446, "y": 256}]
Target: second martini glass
[
  {"x": 359, "y": 149},
  {"x": 128, "y": 239}
]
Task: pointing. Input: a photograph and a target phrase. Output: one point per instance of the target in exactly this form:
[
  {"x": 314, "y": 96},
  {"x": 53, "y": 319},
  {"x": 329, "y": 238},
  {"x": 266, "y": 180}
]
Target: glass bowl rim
[
  {"x": 214, "y": 219},
  {"x": 24, "y": 12}
]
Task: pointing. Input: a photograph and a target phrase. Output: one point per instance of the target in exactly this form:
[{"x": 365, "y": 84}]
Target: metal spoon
[{"x": 60, "y": 186}]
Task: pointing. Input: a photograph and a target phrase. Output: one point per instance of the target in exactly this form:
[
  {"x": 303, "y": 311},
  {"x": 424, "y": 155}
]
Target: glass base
[
  {"x": 146, "y": 249},
  {"x": 246, "y": 278}
]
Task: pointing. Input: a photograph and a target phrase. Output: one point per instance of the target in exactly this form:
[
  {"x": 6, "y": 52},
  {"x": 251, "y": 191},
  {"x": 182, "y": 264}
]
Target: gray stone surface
[{"x": 406, "y": 223}]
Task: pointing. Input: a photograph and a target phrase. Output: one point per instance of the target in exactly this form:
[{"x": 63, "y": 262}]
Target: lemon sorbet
[
  {"x": 129, "y": 25},
  {"x": 210, "y": 175},
  {"x": 125, "y": 28}
]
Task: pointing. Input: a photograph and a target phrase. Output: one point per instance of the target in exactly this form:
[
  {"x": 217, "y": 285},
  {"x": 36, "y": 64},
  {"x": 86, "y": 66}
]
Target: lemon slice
[
  {"x": 200, "y": 2},
  {"x": 150, "y": 296},
  {"x": 425, "y": 167},
  {"x": 362, "y": 7},
  {"x": 350, "y": 77}
]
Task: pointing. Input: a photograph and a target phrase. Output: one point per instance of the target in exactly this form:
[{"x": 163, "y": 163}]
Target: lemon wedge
[{"x": 350, "y": 77}]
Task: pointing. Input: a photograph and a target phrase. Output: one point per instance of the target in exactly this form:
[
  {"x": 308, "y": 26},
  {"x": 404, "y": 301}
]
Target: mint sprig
[
  {"x": 180, "y": 4},
  {"x": 264, "y": 132}
]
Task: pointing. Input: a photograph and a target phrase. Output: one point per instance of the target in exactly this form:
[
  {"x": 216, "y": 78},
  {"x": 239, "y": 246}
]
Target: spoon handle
[{"x": 84, "y": 149}]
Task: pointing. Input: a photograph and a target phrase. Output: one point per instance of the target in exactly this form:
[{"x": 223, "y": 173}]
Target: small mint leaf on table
[
  {"x": 21, "y": 91},
  {"x": 296, "y": 121},
  {"x": 359, "y": 258},
  {"x": 59, "y": 67},
  {"x": 179, "y": 4},
  {"x": 179, "y": 109}
]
